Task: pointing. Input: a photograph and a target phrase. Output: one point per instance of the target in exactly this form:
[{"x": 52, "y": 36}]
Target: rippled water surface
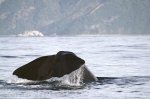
[{"x": 124, "y": 60}]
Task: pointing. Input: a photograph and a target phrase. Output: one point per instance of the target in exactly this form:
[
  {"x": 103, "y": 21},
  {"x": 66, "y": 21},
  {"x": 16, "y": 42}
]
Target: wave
[
  {"x": 32, "y": 55},
  {"x": 10, "y": 56},
  {"x": 65, "y": 83},
  {"x": 130, "y": 80},
  {"x": 21, "y": 56},
  {"x": 70, "y": 81}
]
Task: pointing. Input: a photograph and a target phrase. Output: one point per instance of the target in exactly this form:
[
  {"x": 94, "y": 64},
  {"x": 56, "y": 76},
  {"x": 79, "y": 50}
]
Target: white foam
[{"x": 31, "y": 34}]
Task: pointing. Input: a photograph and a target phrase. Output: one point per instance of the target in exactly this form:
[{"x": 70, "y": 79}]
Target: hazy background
[{"x": 75, "y": 17}]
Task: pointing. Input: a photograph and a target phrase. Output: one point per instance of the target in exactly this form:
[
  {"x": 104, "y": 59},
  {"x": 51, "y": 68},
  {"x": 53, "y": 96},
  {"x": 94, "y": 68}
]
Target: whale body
[{"x": 58, "y": 65}]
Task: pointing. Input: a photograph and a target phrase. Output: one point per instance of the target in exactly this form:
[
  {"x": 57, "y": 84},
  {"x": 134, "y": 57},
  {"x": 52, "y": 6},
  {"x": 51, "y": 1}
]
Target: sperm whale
[{"x": 57, "y": 65}]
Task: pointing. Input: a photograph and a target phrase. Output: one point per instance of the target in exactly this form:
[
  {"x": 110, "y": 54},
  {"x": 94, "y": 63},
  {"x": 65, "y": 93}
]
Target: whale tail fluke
[
  {"x": 36, "y": 69},
  {"x": 45, "y": 67}
]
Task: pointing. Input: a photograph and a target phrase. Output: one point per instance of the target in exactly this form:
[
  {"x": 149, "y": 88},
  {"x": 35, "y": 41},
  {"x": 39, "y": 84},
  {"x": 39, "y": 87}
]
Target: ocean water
[{"x": 123, "y": 61}]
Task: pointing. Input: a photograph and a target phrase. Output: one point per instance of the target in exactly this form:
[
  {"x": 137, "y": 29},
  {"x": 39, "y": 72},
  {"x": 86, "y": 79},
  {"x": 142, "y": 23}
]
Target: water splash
[
  {"x": 14, "y": 79},
  {"x": 75, "y": 78}
]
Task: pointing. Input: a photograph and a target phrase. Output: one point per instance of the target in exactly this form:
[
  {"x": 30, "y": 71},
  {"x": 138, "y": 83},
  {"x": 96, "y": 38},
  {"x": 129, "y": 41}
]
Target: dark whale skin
[{"x": 45, "y": 67}]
